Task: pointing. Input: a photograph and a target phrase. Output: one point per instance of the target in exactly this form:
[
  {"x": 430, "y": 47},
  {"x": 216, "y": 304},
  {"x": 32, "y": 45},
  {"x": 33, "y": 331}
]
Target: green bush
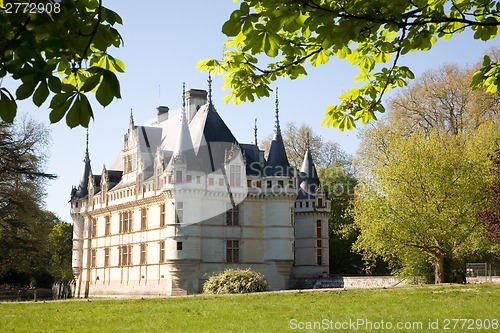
[{"x": 235, "y": 281}]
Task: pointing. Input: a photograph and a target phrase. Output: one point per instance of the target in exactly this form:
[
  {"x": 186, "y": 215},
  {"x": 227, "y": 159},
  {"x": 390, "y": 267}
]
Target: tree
[
  {"x": 420, "y": 197},
  {"x": 60, "y": 244},
  {"x": 24, "y": 226},
  {"x": 441, "y": 100},
  {"x": 371, "y": 35},
  {"x": 490, "y": 216},
  {"x": 298, "y": 139},
  {"x": 59, "y": 47}
]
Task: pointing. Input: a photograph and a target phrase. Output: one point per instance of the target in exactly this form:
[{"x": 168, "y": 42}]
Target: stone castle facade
[{"x": 184, "y": 199}]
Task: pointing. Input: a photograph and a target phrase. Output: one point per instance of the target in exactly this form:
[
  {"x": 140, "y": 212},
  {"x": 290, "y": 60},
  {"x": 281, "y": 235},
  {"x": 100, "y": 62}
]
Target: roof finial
[
  {"x": 87, "y": 143},
  {"x": 308, "y": 140},
  {"x": 255, "y": 132},
  {"x": 278, "y": 129},
  {"x": 131, "y": 117},
  {"x": 183, "y": 97},
  {"x": 209, "y": 89}
]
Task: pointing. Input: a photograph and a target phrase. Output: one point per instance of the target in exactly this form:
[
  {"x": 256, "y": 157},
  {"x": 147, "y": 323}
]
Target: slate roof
[
  {"x": 82, "y": 190},
  {"x": 252, "y": 158},
  {"x": 277, "y": 162},
  {"x": 308, "y": 180},
  {"x": 205, "y": 138}
]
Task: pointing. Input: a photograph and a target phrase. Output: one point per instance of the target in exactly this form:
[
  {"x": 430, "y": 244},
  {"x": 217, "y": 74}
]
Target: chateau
[{"x": 184, "y": 199}]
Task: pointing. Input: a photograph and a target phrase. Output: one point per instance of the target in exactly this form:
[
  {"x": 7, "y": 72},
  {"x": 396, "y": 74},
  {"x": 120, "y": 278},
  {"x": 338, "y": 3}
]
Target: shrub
[{"x": 235, "y": 281}]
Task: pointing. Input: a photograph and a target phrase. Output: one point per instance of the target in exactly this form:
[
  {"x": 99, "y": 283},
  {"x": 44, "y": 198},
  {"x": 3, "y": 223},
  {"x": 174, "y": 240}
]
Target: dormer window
[
  {"x": 235, "y": 175},
  {"x": 127, "y": 164}
]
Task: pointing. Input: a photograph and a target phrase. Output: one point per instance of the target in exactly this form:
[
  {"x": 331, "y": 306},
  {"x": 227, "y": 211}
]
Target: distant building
[{"x": 184, "y": 199}]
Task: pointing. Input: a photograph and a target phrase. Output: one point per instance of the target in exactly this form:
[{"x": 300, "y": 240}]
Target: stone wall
[
  {"x": 483, "y": 279},
  {"x": 349, "y": 282}
]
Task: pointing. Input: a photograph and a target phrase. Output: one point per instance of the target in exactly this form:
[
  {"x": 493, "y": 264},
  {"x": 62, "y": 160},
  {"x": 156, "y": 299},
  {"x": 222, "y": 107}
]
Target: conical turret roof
[
  {"x": 277, "y": 161},
  {"x": 82, "y": 190},
  {"x": 309, "y": 182}
]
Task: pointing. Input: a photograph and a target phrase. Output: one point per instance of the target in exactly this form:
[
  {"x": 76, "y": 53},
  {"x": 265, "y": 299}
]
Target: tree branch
[{"x": 92, "y": 34}]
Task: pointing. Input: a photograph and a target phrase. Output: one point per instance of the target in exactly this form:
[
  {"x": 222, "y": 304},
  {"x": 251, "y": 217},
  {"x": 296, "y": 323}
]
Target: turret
[
  {"x": 277, "y": 161},
  {"x": 312, "y": 212},
  {"x": 79, "y": 201}
]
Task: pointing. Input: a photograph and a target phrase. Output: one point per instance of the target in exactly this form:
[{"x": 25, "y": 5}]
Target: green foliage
[
  {"x": 415, "y": 197},
  {"x": 60, "y": 244},
  {"x": 371, "y": 35},
  {"x": 60, "y": 56},
  {"x": 235, "y": 281},
  {"x": 24, "y": 225}
]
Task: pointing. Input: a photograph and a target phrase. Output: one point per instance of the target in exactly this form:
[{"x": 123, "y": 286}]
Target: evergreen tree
[{"x": 24, "y": 226}]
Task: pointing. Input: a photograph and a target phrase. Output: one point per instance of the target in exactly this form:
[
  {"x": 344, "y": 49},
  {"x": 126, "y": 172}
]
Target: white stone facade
[{"x": 185, "y": 200}]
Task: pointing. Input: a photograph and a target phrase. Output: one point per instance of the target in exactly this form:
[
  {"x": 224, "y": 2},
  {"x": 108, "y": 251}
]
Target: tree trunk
[{"x": 438, "y": 268}]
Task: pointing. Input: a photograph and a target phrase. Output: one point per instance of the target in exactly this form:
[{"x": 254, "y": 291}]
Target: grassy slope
[{"x": 269, "y": 312}]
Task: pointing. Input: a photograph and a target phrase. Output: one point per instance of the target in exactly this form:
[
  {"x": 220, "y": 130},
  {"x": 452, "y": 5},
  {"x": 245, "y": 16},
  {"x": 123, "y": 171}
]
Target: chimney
[
  {"x": 195, "y": 99},
  {"x": 162, "y": 113}
]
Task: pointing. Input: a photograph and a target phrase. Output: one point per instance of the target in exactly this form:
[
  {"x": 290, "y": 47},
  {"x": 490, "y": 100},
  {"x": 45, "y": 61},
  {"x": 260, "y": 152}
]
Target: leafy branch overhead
[
  {"x": 59, "y": 55},
  {"x": 370, "y": 34}
]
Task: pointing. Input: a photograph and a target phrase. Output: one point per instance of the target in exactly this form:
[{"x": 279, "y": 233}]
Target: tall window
[
  {"x": 126, "y": 221},
  {"x": 144, "y": 218},
  {"x": 318, "y": 229},
  {"x": 125, "y": 255},
  {"x": 179, "y": 212},
  {"x": 93, "y": 254},
  {"x": 235, "y": 175},
  {"x": 233, "y": 215},
  {"x": 179, "y": 246},
  {"x": 319, "y": 250},
  {"x": 232, "y": 250},
  {"x": 319, "y": 257},
  {"x": 127, "y": 164},
  {"x": 106, "y": 257},
  {"x": 144, "y": 253},
  {"x": 94, "y": 227},
  {"x": 107, "y": 227},
  {"x": 162, "y": 251},
  {"x": 162, "y": 215},
  {"x": 320, "y": 202},
  {"x": 178, "y": 176}
]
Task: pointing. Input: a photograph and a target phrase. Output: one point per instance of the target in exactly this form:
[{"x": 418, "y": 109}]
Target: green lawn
[{"x": 477, "y": 305}]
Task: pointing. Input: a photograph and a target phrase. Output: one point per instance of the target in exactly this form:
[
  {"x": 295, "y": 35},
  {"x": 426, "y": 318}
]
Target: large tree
[
  {"x": 440, "y": 99},
  {"x": 420, "y": 195},
  {"x": 24, "y": 226},
  {"x": 439, "y": 105},
  {"x": 490, "y": 216},
  {"x": 286, "y": 35},
  {"x": 58, "y": 47}
]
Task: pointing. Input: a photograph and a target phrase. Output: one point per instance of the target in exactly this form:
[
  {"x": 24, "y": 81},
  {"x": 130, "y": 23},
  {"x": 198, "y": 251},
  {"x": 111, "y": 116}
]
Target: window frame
[{"x": 232, "y": 251}]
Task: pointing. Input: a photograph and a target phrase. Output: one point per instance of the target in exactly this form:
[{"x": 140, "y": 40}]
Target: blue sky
[{"x": 164, "y": 40}]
